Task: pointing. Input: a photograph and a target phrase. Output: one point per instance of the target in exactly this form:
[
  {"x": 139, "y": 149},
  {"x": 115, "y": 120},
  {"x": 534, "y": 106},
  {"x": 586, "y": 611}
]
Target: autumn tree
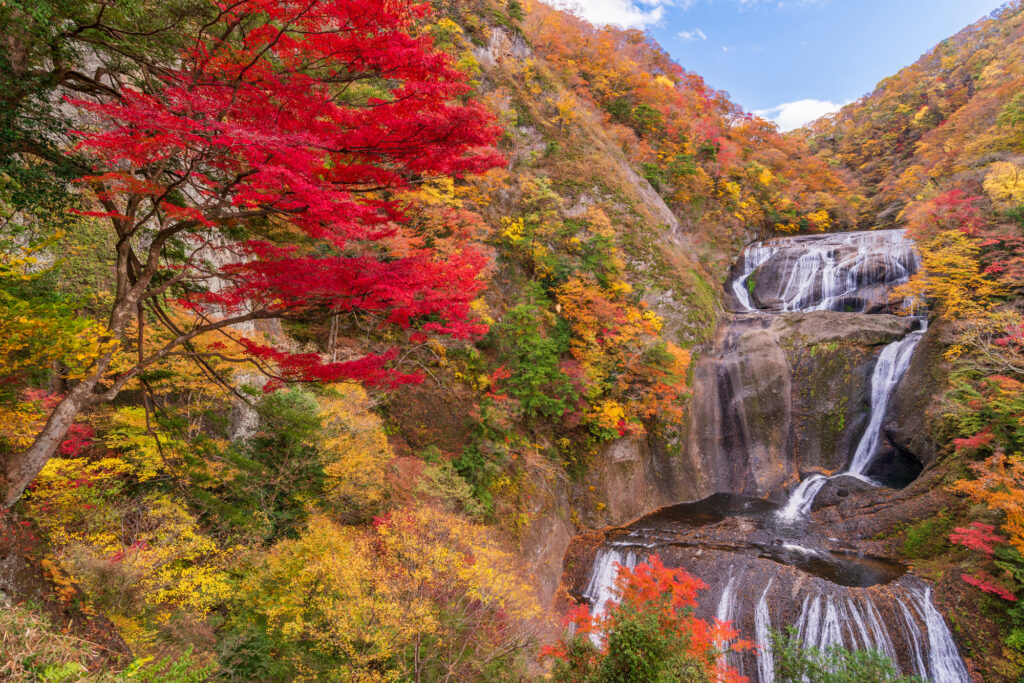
[
  {"x": 261, "y": 180},
  {"x": 424, "y": 595},
  {"x": 952, "y": 277},
  {"x": 648, "y": 634}
]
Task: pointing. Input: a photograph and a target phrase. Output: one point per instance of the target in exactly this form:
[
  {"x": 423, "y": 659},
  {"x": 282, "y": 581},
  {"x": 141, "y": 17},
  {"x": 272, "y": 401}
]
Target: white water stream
[
  {"x": 889, "y": 370},
  {"x": 829, "y": 269},
  {"x": 897, "y": 619},
  {"x": 600, "y": 588}
]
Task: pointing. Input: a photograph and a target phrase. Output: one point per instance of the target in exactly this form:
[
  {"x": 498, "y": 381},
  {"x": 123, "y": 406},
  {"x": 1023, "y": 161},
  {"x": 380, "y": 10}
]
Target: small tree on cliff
[
  {"x": 261, "y": 180},
  {"x": 649, "y": 635}
]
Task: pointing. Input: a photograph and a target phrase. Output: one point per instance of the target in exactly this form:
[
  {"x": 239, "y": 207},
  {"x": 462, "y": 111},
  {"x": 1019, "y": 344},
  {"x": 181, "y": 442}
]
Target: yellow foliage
[
  {"x": 355, "y": 450},
  {"x": 665, "y": 81},
  {"x": 819, "y": 220},
  {"x": 514, "y": 229},
  {"x": 566, "y": 106},
  {"x": 19, "y": 423},
  {"x": 34, "y": 335},
  {"x": 322, "y": 588},
  {"x": 438, "y": 192},
  {"x": 609, "y": 415},
  {"x": 152, "y": 540},
  {"x": 1004, "y": 183},
  {"x": 952, "y": 277},
  {"x": 426, "y": 582}
]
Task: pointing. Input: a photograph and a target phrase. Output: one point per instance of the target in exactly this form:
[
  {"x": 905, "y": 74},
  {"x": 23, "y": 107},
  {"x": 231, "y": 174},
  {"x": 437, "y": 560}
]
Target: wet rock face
[
  {"x": 741, "y": 411},
  {"x": 629, "y": 478},
  {"x": 838, "y": 490},
  {"x": 784, "y": 395},
  {"x": 917, "y": 401}
]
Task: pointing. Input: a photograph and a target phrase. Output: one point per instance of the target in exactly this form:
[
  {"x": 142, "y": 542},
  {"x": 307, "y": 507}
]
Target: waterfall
[
  {"x": 726, "y": 613},
  {"x": 889, "y": 370},
  {"x": 600, "y": 588},
  {"x": 753, "y": 258},
  {"x": 915, "y": 639},
  {"x": 944, "y": 659},
  {"x": 800, "y": 501},
  {"x": 853, "y": 621},
  {"x": 762, "y": 636},
  {"x": 727, "y": 603},
  {"x": 826, "y": 272},
  {"x": 873, "y": 634},
  {"x": 760, "y": 572}
]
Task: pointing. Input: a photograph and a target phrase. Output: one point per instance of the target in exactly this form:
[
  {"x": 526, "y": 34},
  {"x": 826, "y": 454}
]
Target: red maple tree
[
  {"x": 666, "y": 596},
  {"x": 263, "y": 179}
]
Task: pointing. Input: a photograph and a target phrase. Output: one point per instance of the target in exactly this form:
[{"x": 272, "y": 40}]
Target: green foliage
[
  {"x": 182, "y": 668},
  {"x": 794, "y": 664},
  {"x": 443, "y": 481},
  {"x": 929, "y": 538},
  {"x": 1016, "y": 214},
  {"x": 532, "y": 346},
  {"x": 641, "y": 651},
  {"x": 249, "y": 653},
  {"x": 643, "y": 118},
  {"x": 1012, "y": 114},
  {"x": 485, "y": 455},
  {"x": 654, "y": 174},
  {"x": 620, "y": 109},
  {"x": 276, "y": 473},
  {"x": 646, "y": 119}
]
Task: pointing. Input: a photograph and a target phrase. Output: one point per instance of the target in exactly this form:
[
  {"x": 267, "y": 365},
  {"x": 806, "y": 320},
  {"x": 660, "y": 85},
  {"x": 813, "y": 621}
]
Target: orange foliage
[
  {"x": 1000, "y": 486},
  {"x": 669, "y": 596},
  {"x": 698, "y": 140}
]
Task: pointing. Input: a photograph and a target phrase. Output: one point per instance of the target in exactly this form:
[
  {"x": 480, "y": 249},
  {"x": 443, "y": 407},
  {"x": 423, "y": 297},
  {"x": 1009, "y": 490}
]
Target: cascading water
[
  {"x": 826, "y": 272},
  {"x": 762, "y": 635},
  {"x": 889, "y": 370},
  {"x": 600, "y": 588},
  {"x": 764, "y": 566}
]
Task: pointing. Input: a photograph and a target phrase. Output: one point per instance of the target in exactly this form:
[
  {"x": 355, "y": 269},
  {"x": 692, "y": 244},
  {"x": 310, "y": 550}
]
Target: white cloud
[
  {"x": 644, "y": 13},
  {"x": 793, "y": 115},
  {"x": 625, "y": 13},
  {"x": 695, "y": 34}
]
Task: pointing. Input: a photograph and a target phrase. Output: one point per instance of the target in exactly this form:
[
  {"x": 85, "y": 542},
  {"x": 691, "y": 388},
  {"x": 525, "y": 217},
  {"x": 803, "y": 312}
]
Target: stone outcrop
[
  {"x": 911, "y": 420},
  {"x": 784, "y": 395}
]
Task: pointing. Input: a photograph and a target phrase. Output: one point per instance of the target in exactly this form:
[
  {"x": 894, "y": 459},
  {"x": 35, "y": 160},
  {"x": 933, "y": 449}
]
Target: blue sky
[{"x": 792, "y": 60}]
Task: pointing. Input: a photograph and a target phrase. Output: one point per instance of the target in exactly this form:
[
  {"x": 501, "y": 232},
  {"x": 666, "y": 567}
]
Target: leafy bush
[
  {"x": 533, "y": 351},
  {"x": 650, "y": 634},
  {"x": 929, "y": 537},
  {"x": 795, "y": 664}
]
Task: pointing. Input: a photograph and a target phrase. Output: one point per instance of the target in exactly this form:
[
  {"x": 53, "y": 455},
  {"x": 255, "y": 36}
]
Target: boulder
[{"x": 840, "y": 489}]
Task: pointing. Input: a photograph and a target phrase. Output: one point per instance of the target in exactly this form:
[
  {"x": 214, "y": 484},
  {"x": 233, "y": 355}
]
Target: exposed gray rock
[
  {"x": 784, "y": 394},
  {"x": 838, "y": 489},
  {"x": 910, "y": 420}
]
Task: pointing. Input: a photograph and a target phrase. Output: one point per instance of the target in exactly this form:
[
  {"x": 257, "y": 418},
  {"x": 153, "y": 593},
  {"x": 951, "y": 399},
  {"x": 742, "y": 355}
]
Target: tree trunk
[{"x": 22, "y": 468}]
